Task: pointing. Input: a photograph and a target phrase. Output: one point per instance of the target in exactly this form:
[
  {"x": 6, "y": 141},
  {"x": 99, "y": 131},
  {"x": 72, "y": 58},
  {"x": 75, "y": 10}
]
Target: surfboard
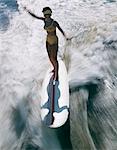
[{"x": 55, "y": 97}]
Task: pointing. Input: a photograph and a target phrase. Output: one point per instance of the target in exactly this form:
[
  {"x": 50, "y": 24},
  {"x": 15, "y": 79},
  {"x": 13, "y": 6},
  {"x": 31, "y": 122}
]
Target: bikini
[{"x": 51, "y": 36}]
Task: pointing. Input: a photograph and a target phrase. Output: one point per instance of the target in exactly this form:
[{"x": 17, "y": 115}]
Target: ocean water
[
  {"x": 91, "y": 61},
  {"x": 7, "y": 8}
]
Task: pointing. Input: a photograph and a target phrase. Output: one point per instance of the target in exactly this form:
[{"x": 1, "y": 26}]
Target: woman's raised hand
[
  {"x": 26, "y": 9},
  {"x": 67, "y": 39}
]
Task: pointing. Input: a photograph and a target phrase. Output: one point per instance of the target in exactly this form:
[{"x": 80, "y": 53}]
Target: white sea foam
[{"x": 24, "y": 61}]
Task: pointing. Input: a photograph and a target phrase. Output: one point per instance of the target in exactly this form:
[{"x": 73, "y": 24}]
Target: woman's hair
[{"x": 46, "y": 8}]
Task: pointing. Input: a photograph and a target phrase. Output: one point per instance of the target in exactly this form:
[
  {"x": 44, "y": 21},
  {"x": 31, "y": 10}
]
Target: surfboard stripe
[
  {"x": 53, "y": 94},
  {"x": 55, "y": 98}
]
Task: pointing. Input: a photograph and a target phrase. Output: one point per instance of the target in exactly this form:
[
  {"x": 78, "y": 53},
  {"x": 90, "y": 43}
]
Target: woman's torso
[{"x": 50, "y": 27}]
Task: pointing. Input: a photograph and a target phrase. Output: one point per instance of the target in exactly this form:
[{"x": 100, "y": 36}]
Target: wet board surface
[{"x": 55, "y": 98}]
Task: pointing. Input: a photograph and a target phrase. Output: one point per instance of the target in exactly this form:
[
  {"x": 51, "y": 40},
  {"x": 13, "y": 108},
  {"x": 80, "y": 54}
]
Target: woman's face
[{"x": 47, "y": 16}]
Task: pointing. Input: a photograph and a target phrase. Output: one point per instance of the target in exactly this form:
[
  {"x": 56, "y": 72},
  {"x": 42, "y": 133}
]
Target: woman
[{"x": 52, "y": 39}]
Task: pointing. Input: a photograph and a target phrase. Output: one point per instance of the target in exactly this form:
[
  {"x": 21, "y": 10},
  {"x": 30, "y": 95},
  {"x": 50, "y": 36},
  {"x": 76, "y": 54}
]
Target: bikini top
[{"x": 50, "y": 26}]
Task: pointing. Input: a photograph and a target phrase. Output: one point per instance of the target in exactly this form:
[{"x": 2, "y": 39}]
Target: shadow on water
[
  {"x": 63, "y": 134},
  {"x": 92, "y": 121},
  {"x": 31, "y": 146},
  {"x": 58, "y": 139}
]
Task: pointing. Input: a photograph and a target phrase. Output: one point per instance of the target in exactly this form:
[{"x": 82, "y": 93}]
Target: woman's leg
[{"x": 52, "y": 53}]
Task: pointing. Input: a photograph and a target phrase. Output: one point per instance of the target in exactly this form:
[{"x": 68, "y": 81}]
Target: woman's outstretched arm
[
  {"x": 33, "y": 15},
  {"x": 58, "y": 26}
]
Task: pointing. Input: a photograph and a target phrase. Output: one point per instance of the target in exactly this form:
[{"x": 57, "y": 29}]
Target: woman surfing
[{"x": 50, "y": 26}]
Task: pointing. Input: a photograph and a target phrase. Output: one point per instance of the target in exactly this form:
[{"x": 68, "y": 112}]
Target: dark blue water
[{"x": 7, "y": 7}]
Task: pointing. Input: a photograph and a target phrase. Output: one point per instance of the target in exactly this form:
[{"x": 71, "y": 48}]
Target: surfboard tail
[{"x": 55, "y": 98}]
